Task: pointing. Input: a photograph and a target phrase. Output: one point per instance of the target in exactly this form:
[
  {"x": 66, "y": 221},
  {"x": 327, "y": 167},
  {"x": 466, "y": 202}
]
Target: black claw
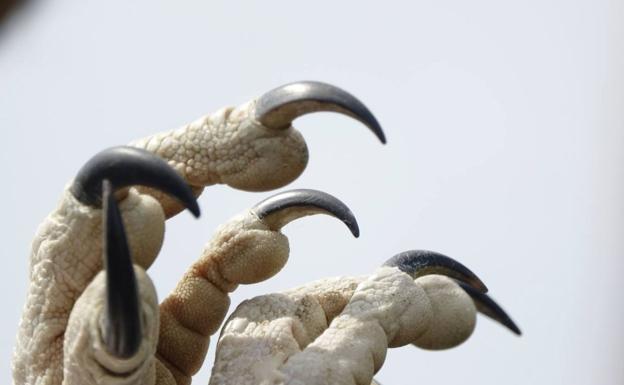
[
  {"x": 122, "y": 333},
  {"x": 488, "y": 307},
  {"x": 423, "y": 262},
  {"x": 280, "y": 209},
  {"x": 279, "y": 107},
  {"x": 126, "y": 166}
]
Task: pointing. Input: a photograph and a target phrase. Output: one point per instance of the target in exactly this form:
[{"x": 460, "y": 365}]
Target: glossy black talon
[
  {"x": 418, "y": 263},
  {"x": 122, "y": 333},
  {"x": 279, "y": 107},
  {"x": 488, "y": 307},
  {"x": 126, "y": 166},
  {"x": 280, "y": 209}
]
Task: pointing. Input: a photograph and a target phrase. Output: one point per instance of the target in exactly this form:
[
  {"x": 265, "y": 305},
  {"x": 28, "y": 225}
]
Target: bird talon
[
  {"x": 418, "y": 263},
  {"x": 280, "y": 209},
  {"x": 126, "y": 166},
  {"x": 122, "y": 321},
  {"x": 279, "y": 107},
  {"x": 487, "y": 306}
]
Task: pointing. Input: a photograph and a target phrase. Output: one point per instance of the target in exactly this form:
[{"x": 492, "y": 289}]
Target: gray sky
[{"x": 504, "y": 123}]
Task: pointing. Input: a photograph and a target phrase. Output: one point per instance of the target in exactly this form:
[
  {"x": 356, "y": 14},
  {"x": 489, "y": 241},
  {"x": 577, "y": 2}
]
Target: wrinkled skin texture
[
  {"x": 229, "y": 147},
  {"x": 337, "y": 331},
  {"x": 61, "y": 340},
  {"x": 66, "y": 256},
  {"x": 242, "y": 251},
  {"x": 86, "y": 359}
]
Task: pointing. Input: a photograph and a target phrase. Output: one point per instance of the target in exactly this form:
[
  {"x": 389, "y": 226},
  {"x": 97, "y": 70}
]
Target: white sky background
[{"x": 505, "y": 127}]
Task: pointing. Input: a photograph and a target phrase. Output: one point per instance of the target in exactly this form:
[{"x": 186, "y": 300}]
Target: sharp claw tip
[
  {"x": 482, "y": 287},
  {"x": 194, "y": 209},
  {"x": 352, "y": 225},
  {"x": 515, "y": 329},
  {"x": 280, "y": 106}
]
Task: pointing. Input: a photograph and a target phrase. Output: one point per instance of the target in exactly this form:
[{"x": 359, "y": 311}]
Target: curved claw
[
  {"x": 417, "y": 263},
  {"x": 280, "y": 209},
  {"x": 488, "y": 307},
  {"x": 125, "y": 166},
  {"x": 122, "y": 323},
  {"x": 279, "y": 107}
]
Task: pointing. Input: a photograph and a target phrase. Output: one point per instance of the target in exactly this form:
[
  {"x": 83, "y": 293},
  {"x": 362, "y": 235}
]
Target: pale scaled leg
[
  {"x": 67, "y": 251},
  {"x": 248, "y": 249},
  {"x": 337, "y": 331},
  {"x": 289, "y": 338},
  {"x": 252, "y": 147}
]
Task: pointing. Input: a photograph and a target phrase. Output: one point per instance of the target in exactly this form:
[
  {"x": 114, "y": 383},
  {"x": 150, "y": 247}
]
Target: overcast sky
[{"x": 505, "y": 126}]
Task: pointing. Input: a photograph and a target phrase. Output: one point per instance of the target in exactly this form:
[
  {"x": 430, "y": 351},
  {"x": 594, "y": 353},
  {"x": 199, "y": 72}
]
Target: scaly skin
[
  {"x": 230, "y": 146},
  {"x": 245, "y": 250},
  {"x": 66, "y": 256},
  {"x": 86, "y": 359},
  {"x": 252, "y": 147},
  {"x": 336, "y": 331},
  {"x": 85, "y": 325}
]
